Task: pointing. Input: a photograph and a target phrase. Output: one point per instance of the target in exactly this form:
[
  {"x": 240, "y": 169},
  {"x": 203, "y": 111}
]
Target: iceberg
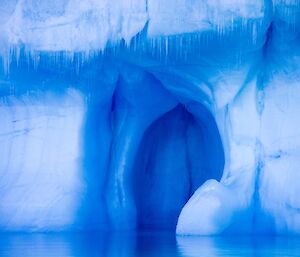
[{"x": 132, "y": 115}]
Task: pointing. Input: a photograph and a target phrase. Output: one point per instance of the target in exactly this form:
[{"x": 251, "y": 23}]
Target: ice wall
[
  {"x": 40, "y": 150},
  {"x": 130, "y": 114}
]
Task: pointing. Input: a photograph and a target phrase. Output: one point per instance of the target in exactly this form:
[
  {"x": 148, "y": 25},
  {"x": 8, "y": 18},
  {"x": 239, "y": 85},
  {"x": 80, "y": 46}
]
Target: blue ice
[{"x": 145, "y": 115}]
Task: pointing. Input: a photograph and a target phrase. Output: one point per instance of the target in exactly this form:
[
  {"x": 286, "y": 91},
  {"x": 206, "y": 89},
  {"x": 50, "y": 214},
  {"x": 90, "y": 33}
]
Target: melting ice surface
[{"x": 137, "y": 115}]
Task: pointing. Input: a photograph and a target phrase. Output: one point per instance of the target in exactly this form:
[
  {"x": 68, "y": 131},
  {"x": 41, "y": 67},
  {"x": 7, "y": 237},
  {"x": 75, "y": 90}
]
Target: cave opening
[{"x": 178, "y": 153}]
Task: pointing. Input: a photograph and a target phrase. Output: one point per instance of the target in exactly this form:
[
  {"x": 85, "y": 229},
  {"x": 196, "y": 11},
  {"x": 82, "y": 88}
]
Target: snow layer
[{"x": 61, "y": 24}]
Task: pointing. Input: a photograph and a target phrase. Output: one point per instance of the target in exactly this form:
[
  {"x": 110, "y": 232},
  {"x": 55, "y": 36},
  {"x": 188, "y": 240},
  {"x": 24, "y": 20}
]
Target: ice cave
[{"x": 144, "y": 115}]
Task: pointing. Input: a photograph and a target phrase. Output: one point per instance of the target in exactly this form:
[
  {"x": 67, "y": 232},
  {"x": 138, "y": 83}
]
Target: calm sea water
[{"x": 144, "y": 244}]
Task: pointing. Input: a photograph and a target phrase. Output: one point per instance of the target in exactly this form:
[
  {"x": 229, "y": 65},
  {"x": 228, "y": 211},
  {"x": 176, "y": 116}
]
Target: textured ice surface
[
  {"x": 40, "y": 150},
  {"x": 61, "y": 24},
  {"x": 147, "y": 114}
]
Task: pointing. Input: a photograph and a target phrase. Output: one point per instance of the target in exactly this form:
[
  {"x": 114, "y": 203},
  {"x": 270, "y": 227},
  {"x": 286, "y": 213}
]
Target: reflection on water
[
  {"x": 144, "y": 244},
  {"x": 238, "y": 246}
]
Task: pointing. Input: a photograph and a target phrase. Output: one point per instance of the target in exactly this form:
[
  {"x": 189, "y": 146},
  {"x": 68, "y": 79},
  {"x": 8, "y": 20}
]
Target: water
[{"x": 144, "y": 244}]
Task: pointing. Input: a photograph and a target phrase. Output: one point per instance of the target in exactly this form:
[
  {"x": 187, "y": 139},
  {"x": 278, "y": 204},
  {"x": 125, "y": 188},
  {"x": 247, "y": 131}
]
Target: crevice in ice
[
  {"x": 268, "y": 41},
  {"x": 178, "y": 153},
  {"x": 145, "y": 152}
]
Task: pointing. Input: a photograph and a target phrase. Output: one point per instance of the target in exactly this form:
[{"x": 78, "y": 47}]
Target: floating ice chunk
[{"x": 208, "y": 211}]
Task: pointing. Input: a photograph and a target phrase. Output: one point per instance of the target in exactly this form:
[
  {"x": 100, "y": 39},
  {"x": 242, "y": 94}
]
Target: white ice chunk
[{"x": 208, "y": 211}]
